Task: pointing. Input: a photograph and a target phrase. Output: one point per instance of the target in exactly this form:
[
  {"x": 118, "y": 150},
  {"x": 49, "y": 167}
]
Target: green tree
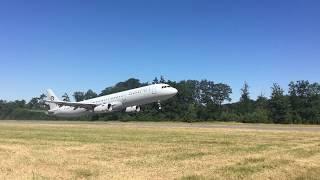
[
  {"x": 261, "y": 102},
  {"x": 279, "y": 106},
  {"x": 162, "y": 80},
  {"x": 211, "y": 96},
  {"x": 90, "y": 94},
  {"x": 65, "y": 97},
  {"x": 245, "y": 95},
  {"x": 37, "y": 102},
  {"x": 78, "y": 96},
  {"x": 33, "y": 103},
  {"x": 155, "y": 81},
  {"x": 122, "y": 86},
  {"x": 221, "y": 93},
  {"x": 245, "y": 104},
  {"x": 19, "y": 103},
  {"x": 304, "y": 100}
]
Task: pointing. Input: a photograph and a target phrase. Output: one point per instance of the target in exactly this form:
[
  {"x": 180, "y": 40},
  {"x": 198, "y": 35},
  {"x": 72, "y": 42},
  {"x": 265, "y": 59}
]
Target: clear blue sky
[{"x": 77, "y": 45}]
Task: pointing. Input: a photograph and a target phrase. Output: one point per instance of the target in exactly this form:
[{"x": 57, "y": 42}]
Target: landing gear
[{"x": 159, "y": 104}]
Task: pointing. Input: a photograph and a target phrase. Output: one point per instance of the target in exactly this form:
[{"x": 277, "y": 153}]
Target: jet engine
[
  {"x": 103, "y": 108},
  {"x": 133, "y": 109}
]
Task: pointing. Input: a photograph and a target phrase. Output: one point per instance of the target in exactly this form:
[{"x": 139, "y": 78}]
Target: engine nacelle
[
  {"x": 103, "y": 108},
  {"x": 133, "y": 109}
]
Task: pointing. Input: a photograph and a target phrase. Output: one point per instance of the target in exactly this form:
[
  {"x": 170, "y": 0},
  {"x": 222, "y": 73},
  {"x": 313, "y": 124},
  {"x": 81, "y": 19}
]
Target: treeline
[{"x": 197, "y": 101}]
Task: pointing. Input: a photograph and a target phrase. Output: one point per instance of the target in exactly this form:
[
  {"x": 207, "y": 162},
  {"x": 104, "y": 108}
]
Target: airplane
[{"x": 128, "y": 101}]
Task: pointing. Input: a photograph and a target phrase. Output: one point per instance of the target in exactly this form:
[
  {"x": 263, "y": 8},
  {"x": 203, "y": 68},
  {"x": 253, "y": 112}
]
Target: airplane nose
[{"x": 174, "y": 91}]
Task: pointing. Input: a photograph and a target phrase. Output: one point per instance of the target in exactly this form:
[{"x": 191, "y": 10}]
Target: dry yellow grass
[{"x": 32, "y": 150}]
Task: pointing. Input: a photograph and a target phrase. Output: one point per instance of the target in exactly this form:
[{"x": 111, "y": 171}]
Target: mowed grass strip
[{"x": 102, "y": 151}]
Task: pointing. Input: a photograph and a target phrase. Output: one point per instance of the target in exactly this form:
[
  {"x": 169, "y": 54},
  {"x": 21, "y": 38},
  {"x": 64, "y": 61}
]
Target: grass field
[{"x": 62, "y": 150}]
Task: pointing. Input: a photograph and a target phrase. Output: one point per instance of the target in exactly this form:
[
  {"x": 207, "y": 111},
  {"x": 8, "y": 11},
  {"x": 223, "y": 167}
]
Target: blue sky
[{"x": 77, "y": 45}]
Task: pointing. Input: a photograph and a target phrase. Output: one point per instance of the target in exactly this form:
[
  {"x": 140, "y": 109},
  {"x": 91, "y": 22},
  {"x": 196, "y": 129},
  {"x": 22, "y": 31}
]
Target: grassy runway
[{"x": 64, "y": 150}]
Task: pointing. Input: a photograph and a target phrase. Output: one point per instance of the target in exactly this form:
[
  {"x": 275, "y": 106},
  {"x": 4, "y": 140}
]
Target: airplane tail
[{"x": 52, "y": 97}]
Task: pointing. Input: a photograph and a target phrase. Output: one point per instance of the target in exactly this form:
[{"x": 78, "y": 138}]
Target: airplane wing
[{"x": 89, "y": 106}]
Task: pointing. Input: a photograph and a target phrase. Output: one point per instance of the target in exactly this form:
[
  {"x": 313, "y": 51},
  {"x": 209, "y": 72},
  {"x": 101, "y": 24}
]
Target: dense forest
[{"x": 196, "y": 101}]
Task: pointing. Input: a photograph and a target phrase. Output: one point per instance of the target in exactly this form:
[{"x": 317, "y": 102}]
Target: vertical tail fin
[{"x": 51, "y": 97}]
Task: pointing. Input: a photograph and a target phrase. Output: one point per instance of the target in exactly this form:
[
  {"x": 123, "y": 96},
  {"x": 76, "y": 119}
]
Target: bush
[{"x": 230, "y": 117}]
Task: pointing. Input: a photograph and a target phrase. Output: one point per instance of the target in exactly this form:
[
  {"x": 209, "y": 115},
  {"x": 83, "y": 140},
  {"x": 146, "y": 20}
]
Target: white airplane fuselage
[{"x": 129, "y": 101}]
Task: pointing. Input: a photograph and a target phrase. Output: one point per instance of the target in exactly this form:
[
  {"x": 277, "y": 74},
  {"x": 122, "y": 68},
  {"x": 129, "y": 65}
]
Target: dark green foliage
[
  {"x": 279, "y": 106},
  {"x": 66, "y": 97},
  {"x": 305, "y": 100},
  {"x": 78, "y": 96},
  {"x": 122, "y": 86},
  {"x": 245, "y": 93},
  {"x": 155, "y": 81},
  {"x": 245, "y": 104},
  {"x": 90, "y": 94},
  {"x": 196, "y": 101}
]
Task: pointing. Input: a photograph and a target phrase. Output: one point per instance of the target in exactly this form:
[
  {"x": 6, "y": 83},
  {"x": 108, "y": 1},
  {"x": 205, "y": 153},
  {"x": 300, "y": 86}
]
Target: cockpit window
[{"x": 165, "y": 87}]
